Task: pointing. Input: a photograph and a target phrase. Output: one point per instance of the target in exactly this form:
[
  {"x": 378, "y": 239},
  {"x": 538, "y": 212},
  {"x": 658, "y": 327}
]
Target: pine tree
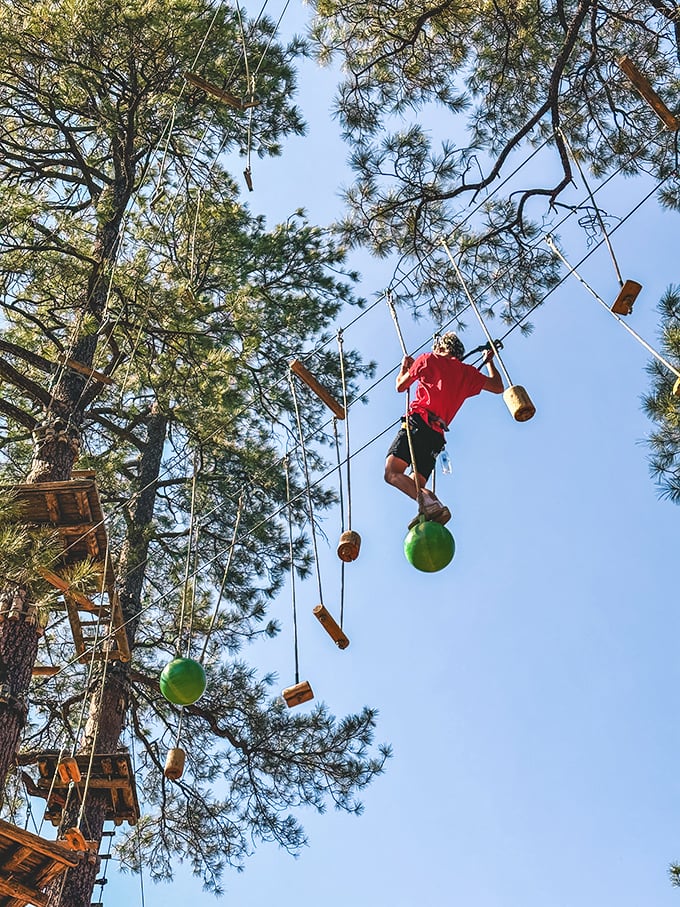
[
  {"x": 442, "y": 103},
  {"x": 662, "y": 405},
  {"x": 124, "y": 248}
]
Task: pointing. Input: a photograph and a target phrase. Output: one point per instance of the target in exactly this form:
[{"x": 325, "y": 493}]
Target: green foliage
[
  {"x": 443, "y": 103},
  {"x": 662, "y": 406},
  {"x": 126, "y": 247},
  {"x": 25, "y": 549}
]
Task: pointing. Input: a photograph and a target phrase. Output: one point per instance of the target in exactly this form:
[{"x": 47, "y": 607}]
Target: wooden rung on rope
[
  {"x": 331, "y": 627},
  {"x": 647, "y": 92},
  {"x": 174, "y": 763},
  {"x": 349, "y": 546},
  {"x": 45, "y": 670},
  {"x": 85, "y": 370},
  {"x": 226, "y": 96},
  {"x": 298, "y": 369},
  {"x": 519, "y": 403},
  {"x": 623, "y": 304},
  {"x": 296, "y": 695}
]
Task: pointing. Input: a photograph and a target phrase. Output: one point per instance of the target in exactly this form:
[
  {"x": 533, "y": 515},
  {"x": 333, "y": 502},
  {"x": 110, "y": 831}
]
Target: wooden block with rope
[
  {"x": 623, "y": 304},
  {"x": 641, "y": 83},
  {"x": 324, "y": 395},
  {"x": 297, "y": 694},
  {"x": 331, "y": 627}
]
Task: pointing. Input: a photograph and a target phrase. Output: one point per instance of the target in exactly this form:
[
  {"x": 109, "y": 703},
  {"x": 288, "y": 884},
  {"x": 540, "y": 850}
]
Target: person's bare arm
[
  {"x": 404, "y": 379},
  {"x": 494, "y": 383}
]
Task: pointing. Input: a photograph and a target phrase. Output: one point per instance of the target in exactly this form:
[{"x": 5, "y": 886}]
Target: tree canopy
[{"x": 148, "y": 322}]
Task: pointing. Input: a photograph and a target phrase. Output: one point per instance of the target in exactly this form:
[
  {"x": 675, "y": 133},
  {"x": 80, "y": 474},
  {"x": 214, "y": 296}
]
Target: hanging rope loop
[{"x": 475, "y": 309}]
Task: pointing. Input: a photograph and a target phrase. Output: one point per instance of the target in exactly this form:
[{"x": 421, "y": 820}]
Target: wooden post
[
  {"x": 330, "y": 626},
  {"x": 68, "y": 770},
  {"x": 298, "y": 369},
  {"x": 647, "y": 92}
]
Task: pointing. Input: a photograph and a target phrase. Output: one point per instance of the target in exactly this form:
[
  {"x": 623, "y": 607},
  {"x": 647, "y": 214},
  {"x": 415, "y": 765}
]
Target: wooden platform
[
  {"x": 112, "y": 773},
  {"x": 28, "y": 864},
  {"x": 74, "y": 509}
]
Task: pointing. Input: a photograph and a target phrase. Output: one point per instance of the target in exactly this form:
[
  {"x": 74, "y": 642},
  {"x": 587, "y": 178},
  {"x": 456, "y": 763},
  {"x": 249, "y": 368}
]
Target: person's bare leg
[{"x": 395, "y": 474}]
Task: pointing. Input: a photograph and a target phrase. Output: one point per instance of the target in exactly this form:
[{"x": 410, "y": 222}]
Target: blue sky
[{"x": 529, "y": 690}]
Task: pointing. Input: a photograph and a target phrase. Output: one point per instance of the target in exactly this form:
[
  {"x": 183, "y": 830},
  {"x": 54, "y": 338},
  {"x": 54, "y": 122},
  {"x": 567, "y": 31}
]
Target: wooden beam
[
  {"x": 85, "y": 370},
  {"x": 45, "y": 670},
  {"x": 648, "y": 94},
  {"x": 226, "y": 96},
  {"x": 336, "y": 408},
  {"x": 39, "y": 845},
  {"x": 12, "y": 888}
]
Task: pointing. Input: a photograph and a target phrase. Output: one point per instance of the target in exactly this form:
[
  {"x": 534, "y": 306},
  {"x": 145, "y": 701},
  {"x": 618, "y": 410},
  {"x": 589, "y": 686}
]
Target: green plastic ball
[
  {"x": 429, "y": 546},
  {"x": 183, "y": 681}
]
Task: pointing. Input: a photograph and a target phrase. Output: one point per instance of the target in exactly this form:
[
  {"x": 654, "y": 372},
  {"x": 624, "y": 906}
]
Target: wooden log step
[
  {"x": 304, "y": 375},
  {"x": 331, "y": 627}
]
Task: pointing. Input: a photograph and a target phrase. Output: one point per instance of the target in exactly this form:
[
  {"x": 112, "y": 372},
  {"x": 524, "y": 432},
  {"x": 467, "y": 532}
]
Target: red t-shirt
[{"x": 444, "y": 384}]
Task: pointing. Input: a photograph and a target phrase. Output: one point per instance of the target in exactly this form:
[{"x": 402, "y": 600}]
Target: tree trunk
[
  {"x": 108, "y": 706},
  {"x": 19, "y": 635}
]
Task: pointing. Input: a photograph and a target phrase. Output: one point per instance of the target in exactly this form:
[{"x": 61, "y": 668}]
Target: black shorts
[{"x": 427, "y": 443}]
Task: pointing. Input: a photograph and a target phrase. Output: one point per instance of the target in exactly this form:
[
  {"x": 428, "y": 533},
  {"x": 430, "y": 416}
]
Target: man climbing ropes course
[{"x": 444, "y": 384}]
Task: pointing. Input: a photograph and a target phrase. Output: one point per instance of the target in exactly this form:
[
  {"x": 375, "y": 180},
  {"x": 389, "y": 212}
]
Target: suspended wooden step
[
  {"x": 349, "y": 546},
  {"x": 111, "y": 773},
  {"x": 45, "y": 670},
  {"x": 28, "y": 863},
  {"x": 519, "y": 403},
  {"x": 623, "y": 304},
  {"x": 304, "y": 375},
  {"x": 174, "y": 763},
  {"x": 296, "y": 695},
  {"x": 74, "y": 509},
  {"x": 83, "y": 369},
  {"x": 647, "y": 92},
  {"x": 331, "y": 627},
  {"x": 225, "y": 96}
]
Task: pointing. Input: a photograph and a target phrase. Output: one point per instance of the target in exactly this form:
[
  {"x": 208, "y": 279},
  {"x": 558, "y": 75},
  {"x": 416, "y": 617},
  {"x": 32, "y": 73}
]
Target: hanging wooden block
[
  {"x": 519, "y": 403},
  {"x": 348, "y": 546},
  {"x": 331, "y": 627},
  {"x": 74, "y": 839},
  {"x": 68, "y": 770},
  {"x": 226, "y": 96},
  {"x": 647, "y": 92},
  {"x": 248, "y": 176},
  {"x": 336, "y": 408},
  {"x": 174, "y": 764},
  {"x": 629, "y": 292},
  {"x": 296, "y": 695}
]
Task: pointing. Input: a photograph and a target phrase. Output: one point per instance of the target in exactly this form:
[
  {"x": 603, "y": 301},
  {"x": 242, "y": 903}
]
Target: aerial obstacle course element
[
  {"x": 174, "y": 763},
  {"x": 183, "y": 681},
  {"x": 519, "y": 403},
  {"x": 429, "y": 546},
  {"x": 348, "y": 546}
]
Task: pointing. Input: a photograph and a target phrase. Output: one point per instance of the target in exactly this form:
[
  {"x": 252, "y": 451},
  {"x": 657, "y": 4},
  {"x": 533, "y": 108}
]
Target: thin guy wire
[
  {"x": 308, "y": 485},
  {"x": 292, "y": 574},
  {"x": 476, "y": 311}
]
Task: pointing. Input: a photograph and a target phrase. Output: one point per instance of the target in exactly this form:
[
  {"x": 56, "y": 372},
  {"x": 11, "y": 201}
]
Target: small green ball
[
  {"x": 183, "y": 681},
  {"x": 429, "y": 546}
]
